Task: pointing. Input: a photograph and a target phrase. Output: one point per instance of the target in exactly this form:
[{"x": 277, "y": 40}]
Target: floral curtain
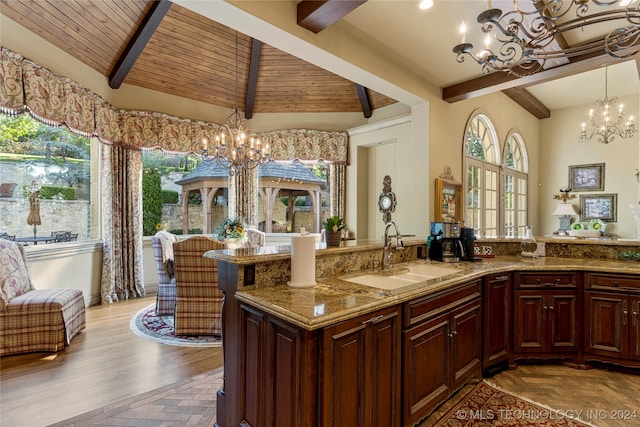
[
  {"x": 305, "y": 144},
  {"x": 122, "y": 274}
]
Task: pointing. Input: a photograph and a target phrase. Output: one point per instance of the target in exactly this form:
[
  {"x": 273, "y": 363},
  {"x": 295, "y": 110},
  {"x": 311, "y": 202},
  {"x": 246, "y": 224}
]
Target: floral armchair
[
  {"x": 198, "y": 299},
  {"x": 34, "y": 320},
  {"x": 254, "y": 238}
]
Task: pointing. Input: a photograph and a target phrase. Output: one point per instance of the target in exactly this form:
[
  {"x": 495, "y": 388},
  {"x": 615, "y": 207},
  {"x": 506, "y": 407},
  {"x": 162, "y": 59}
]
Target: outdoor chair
[
  {"x": 6, "y": 189},
  {"x": 7, "y": 236},
  {"x": 34, "y": 320},
  {"x": 254, "y": 238},
  {"x": 198, "y": 299},
  {"x": 64, "y": 236},
  {"x": 162, "y": 245}
]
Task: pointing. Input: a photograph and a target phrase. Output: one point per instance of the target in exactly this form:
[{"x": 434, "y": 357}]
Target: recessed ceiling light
[{"x": 425, "y": 4}]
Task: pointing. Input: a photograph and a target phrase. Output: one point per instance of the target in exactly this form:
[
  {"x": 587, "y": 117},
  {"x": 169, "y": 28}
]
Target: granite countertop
[{"x": 334, "y": 299}]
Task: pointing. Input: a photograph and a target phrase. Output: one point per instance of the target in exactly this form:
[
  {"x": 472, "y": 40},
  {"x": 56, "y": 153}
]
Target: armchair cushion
[{"x": 14, "y": 276}]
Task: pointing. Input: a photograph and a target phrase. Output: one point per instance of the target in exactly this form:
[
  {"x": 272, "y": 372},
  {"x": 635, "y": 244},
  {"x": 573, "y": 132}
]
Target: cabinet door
[
  {"x": 528, "y": 313},
  {"x": 251, "y": 350},
  {"x": 605, "y": 331},
  {"x": 634, "y": 328},
  {"x": 562, "y": 316},
  {"x": 497, "y": 319},
  {"x": 361, "y": 371},
  {"x": 344, "y": 374},
  {"x": 385, "y": 371},
  {"x": 466, "y": 354},
  {"x": 279, "y": 372},
  {"x": 427, "y": 378}
]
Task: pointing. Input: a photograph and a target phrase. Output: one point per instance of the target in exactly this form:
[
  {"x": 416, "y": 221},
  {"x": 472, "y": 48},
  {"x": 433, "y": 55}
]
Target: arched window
[
  {"x": 515, "y": 182},
  {"x": 482, "y": 169}
]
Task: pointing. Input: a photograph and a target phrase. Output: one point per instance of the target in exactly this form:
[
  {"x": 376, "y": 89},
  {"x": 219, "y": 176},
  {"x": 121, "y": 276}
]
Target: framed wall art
[
  {"x": 448, "y": 207},
  {"x": 601, "y": 206},
  {"x": 586, "y": 177}
]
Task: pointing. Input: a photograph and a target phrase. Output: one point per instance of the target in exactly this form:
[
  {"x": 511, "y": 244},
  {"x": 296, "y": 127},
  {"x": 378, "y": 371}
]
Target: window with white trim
[
  {"x": 496, "y": 190},
  {"x": 515, "y": 181}
]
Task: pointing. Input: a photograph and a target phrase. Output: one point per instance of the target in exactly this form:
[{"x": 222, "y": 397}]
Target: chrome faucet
[{"x": 386, "y": 250}]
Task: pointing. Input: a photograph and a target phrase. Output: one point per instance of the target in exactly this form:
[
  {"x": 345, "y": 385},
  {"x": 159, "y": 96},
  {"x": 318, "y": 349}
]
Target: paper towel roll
[{"x": 303, "y": 261}]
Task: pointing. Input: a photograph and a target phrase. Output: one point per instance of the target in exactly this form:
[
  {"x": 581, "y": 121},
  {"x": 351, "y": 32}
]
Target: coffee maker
[
  {"x": 450, "y": 242},
  {"x": 468, "y": 239},
  {"x": 445, "y": 242}
]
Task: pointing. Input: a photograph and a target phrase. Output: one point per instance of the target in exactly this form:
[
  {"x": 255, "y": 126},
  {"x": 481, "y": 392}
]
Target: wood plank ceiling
[{"x": 189, "y": 56}]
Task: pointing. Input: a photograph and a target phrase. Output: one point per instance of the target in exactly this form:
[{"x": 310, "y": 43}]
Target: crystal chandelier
[
  {"x": 521, "y": 42},
  {"x": 606, "y": 130},
  {"x": 235, "y": 147}
]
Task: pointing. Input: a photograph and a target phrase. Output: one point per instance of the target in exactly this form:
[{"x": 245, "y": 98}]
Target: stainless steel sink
[{"x": 402, "y": 277}]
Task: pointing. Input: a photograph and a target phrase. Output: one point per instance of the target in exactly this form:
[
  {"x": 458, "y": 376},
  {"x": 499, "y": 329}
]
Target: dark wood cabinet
[
  {"x": 497, "y": 310},
  {"x": 442, "y": 348},
  {"x": 360, "y": 371},
  {"x": 279, "y": 365},
  {"x": 547, "y": 315},
  {"x": 611, "y": 318}
]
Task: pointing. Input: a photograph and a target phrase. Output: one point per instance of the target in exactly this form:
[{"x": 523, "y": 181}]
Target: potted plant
[
  {"x": 231, "y": 231},
  {"x": 333, "y": 227}
]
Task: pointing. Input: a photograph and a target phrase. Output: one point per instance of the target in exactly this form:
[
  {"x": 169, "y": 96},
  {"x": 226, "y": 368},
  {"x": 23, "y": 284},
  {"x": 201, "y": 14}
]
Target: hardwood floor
[
  {"x": 104, "y": 364},
  {"x": 107, "y": 363}
]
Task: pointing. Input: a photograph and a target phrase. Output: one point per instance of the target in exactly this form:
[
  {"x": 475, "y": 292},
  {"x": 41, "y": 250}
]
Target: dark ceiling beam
[
  {"x": 529, "y": 102},
  {"x": 138, "y": 42},
  {"x": 498, "y": 81},
  {"x": 364, "y": 100},
  {"x": 315, "y": 16},
  {"x": 252, "y": 81}
]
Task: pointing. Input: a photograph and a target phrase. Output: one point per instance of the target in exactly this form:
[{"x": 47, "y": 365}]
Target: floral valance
[
  {"x": 57, "y": 100},
  {"x": 306, "y": 144}
]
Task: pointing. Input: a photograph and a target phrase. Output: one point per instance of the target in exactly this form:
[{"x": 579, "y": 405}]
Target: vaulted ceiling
[
  {"x": 188, "y": 55},
  {"x": 167, "y": 47}
]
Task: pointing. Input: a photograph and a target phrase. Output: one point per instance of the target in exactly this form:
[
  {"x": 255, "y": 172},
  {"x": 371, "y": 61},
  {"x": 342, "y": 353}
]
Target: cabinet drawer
[
  {"x": 569, "y": 280},
  {"x": 612, "y": 281},
  {"x": 421, "y": 309}
]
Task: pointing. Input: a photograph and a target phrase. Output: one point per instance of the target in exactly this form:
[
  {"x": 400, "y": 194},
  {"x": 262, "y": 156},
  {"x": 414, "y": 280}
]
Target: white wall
[
  {"x": 559, "y": 148},
  {"x": 75, "y": 265},
  {"x": 389, "y": 148}
]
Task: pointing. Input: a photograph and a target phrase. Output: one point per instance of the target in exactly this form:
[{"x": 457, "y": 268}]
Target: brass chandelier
[
  {"x": 235, "y": 147},
  {"x": 607, "y": 128},
  {"x": 520, "y": 42}
]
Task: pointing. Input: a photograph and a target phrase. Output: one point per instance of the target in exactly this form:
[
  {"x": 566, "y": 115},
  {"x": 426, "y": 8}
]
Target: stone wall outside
[{"x": 56, "y": 215}]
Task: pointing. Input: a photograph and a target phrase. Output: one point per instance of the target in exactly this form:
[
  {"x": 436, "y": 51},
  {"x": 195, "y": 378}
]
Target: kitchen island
[{"x": 342, "y": 352}]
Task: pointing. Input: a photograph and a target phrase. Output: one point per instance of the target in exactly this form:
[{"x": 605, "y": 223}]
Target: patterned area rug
[
  {"x": 486, "y": 405},
  {"x": 148, "y": 325}
]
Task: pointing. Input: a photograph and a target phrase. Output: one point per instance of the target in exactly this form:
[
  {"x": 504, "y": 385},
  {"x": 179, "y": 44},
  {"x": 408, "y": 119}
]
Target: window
[
  {"x": 496, "y": 195},
  {"x": 481, "y": 184},
  {"x": 515, "y": 183},
  {"x": 165, "y": 175},
  {"x": 56, "y": 163}
]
